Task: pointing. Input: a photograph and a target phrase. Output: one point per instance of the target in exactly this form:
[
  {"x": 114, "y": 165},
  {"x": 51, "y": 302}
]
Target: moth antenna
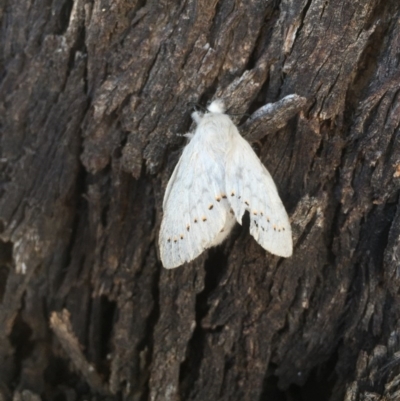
[{"x": 196, "y": 106}]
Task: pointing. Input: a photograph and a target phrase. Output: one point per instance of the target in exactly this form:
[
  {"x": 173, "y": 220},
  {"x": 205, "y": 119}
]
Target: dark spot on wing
[
  {"x": 204, "y": 219},
  {"x": 181, "y": 236},
  {"x": 224, "y": 196},
  {"x": 210, "y": 207},
  {"x": 195, "y": 220},
  {"x": 232, "y": 194},
  {"x": 169, "y": 239},
  {"x": 247, "y": 203}
]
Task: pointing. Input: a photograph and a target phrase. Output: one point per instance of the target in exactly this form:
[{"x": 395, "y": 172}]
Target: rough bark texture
[{"x": 92, "y": 94}]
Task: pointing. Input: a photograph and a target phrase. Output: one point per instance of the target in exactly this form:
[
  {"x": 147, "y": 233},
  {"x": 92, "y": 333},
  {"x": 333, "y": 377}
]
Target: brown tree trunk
[{"x": 92, "y": 94}]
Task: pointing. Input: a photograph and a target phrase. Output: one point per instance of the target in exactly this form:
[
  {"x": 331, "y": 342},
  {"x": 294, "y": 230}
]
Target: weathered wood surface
[{"x": 92, "y": 94}]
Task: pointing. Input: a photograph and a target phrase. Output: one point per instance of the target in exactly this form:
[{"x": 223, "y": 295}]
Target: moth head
[{"x": 217, "y": 106}]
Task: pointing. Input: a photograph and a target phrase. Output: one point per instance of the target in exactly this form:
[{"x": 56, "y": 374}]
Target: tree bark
[{"x": 92, "y": 95}]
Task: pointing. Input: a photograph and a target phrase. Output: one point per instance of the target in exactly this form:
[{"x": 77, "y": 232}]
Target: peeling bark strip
[
  {"x": 92, "y": 95},
  {"x": 272, "y": 117},
  {"x": 61, "y": 325}
]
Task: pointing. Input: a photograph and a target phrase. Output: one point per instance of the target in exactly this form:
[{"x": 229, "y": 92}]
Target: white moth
[{"x": 217, "y": 179}]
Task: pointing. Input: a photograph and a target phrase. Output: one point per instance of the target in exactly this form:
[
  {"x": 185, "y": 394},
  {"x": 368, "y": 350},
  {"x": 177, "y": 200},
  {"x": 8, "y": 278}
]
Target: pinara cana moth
[{"x": 217, "y": 179}]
